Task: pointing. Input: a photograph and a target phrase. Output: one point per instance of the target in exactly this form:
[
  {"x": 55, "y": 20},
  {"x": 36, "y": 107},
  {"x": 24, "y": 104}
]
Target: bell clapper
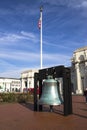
[{"x": 51, "y": 108}]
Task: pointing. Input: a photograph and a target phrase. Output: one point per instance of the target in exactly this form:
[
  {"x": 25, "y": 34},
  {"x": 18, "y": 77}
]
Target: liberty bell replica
[{"x": 50, "y": 93}]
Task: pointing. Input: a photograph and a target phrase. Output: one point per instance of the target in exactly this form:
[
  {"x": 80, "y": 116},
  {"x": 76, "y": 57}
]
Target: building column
[
  {"x": 22, "y": 84},
  {"x": 10, "y": 87},
  {"x": 32, "y": 80},
  {"x": 85, "y": 76},
  {"x": 79, "y": 82},
  {"x": 28, "y": 84}
]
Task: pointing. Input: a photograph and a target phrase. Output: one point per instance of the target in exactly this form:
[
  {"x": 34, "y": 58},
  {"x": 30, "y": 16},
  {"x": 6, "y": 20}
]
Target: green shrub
[
  {"x": 21, "y": 98},
  {"x": 16, "y": 97},
  {"x": 9, "y": 97}
]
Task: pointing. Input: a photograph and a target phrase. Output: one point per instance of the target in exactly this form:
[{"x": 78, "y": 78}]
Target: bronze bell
[{"x": 50, "y": 93}]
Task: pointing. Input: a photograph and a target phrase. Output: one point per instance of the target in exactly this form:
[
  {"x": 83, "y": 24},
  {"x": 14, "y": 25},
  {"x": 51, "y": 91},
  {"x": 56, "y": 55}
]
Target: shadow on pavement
[{"x": 28, "y": 105}]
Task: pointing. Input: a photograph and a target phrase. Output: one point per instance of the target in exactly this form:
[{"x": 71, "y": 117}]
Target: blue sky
[{"x": 64, "y": 31}]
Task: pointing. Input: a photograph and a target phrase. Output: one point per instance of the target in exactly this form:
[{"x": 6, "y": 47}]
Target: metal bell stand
[{"x": 56, "y": 72}]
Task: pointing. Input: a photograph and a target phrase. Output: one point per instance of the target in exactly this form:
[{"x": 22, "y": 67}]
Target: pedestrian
[{"x": 85, "y": 94}]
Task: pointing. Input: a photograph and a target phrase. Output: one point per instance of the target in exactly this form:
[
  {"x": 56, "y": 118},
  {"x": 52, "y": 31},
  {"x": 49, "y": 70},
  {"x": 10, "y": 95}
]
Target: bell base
[
  {"x": 50, "y": 103},
  {"x": 47, "y": 101}
]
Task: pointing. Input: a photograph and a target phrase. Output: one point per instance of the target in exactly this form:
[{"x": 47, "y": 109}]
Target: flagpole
[{"x": 41, "y": 60}]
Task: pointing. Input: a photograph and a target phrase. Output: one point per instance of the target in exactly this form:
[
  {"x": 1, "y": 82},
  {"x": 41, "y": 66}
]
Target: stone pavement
[{"x": 14, "y": 116}]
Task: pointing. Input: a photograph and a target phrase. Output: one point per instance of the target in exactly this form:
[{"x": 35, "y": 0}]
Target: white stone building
[
  {"x": 27, "y": 79},
  {"x": 79, "y": 70},
  {"x": 10, "y": 84}
]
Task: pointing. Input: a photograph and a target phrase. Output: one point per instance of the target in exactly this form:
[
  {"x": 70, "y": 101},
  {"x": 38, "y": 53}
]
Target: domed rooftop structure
[{"x": 81, "y": 49}]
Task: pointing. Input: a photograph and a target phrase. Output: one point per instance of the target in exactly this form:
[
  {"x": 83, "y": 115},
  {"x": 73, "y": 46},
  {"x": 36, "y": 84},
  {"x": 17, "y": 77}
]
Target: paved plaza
[{"x": 15, "y": 116}]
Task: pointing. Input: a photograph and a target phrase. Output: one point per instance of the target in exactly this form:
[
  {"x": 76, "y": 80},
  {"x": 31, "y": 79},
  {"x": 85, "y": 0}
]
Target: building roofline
[
  {"x": 30, "y": 70},
  {"x": 9, "y": 78},
  {"x": 81, "y": 49}
]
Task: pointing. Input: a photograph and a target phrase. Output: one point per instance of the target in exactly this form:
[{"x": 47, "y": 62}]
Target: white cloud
[
  {"x": 12, "y": 70},
  {"x": 19, "y": 55},
  {"x": 83, "y": 4},
  {"x": 23, "y": 8},
  {"x": 28, "y": 34},
  {"x": 57, "y": 45},
  {"x": 19, "y": 9},
  {"x": 4, "y": 11},
  {"x": 24, "y": 55},
  {"x": 8, "y": 69},
  {"x": 56, "y": 2},
  {"x": 11, "y": 73},
  {"x": 15, "y": 72},
  {"x": 56, "y": 58},
  {"x": 5, "y": 65},
  {"x": 70, "y": 3},
  {"x": 12, "y": 37}
]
